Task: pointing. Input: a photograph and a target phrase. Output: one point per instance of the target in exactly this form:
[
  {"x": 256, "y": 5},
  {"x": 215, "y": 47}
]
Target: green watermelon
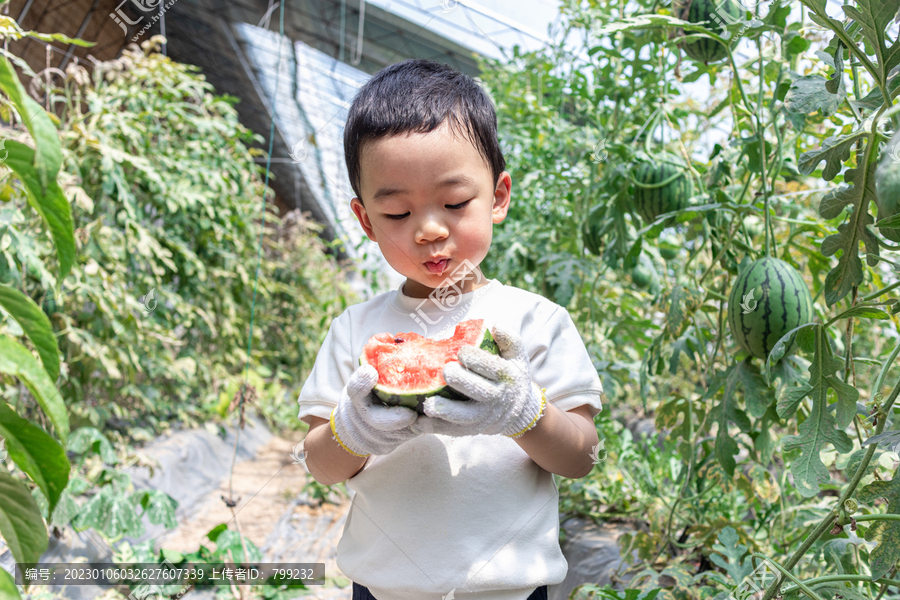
[
  {"x": 652, "y": 199},
  {"x": 887, "y": 186},
  {"x": 769, "y": 298},
  {"x": 644, "y": 275},
  {"x": 717, "y": 14},
  {"x": 410, "y": 366},
  {"x": 590, "y": 229}
]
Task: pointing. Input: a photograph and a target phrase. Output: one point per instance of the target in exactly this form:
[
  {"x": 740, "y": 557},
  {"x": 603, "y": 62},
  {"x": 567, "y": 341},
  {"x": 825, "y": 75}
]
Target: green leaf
[
  {"x": 809, "y": 94},
  {"x": 820, "y": 427},
  {"x": 727, "y": 412},
  {"x": 17, "y": 361},
  {"x": 730, "y": 547},
  {"x": 835, "y": 151},
  {"x": 865, "y": 312},
  {"x": 848, "y": 272},
  {"x": 21, "y": 523},
  {"x": 8, "y": 589},
  {"x": 158, "y": 506},
  {"x": 758, "y": 396},
  {"x": 36, "y": 453},
  {"x": 35, "y": 324},
  {"x": 48, "y": 157},
  {"x": 112, "y": 512},
  {"x": 90, "y": 438},
  {"x": 58, "y": 37},
  {"x": 683, "y": 302},
  {"x": 886, "y": 533},
  {"x": 49, "y": 201},
  {"x": 875, "y": 16},
  {"x": 837, "y": 79}
]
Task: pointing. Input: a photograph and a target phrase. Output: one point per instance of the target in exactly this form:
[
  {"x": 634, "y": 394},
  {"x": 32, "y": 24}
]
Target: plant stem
[
  {"x": 883, "y": 290},
  {"x": 862, "y": 518},
  {"x": 828, "y": 578}
]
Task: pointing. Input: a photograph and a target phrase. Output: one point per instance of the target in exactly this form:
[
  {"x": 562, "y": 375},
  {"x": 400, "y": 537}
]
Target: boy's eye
[{"x": 450, "y": 206}]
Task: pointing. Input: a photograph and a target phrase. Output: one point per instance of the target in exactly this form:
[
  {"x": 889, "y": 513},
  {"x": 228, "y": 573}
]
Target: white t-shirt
[{"x": 472, "y": 514}]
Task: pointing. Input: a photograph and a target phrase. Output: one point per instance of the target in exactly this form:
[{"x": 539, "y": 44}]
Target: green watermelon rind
[
  {"x": 785, "y": 304},
  {"x": 415, "y": 400},
  {"x": 707, "y": 50},
  {"x": 676, "y": 195}
]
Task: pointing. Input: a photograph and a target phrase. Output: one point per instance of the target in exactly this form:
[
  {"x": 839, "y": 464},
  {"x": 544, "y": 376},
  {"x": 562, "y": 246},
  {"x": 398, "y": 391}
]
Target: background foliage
[{"x": 780, "y": 457}]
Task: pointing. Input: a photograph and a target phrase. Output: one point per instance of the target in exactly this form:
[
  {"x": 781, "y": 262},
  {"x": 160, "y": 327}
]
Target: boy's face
[{"x": 430, "y": 204}]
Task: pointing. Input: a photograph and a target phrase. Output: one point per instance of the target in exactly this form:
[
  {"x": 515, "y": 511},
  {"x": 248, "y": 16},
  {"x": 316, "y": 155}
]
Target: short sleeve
[
  {"x": 330, "y": 373},
  {"x": 560, "y": 363}
]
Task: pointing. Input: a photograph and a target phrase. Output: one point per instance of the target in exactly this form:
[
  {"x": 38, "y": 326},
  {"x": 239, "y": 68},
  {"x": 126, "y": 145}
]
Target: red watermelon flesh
[{"x": 410, "y": 366}]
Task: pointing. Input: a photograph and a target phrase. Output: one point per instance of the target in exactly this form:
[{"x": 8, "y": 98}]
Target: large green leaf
[
  {"x": 36, "y": 453},
  {"x": 835, "y": 151},
  {"x": 727, "y": 411},
  {"x": 21, "y": 523},
  {"x": 17, "y": 361},
  {"x": 730, "y": 547},
  {"x": 887, "y": 533},
  {"x": 809, "y": 94},
  {"x": 848, "y": 272},
  {"x": 8, "y": 589},
  {"x": 35, "y": 324},
  {"x": 111, "y": 511},
  {"x": 49, "y": 201},
  {"x": 819, "y": 427},
  {"x": 875, "y": 16},
  {"x": 48, "y": 157}
]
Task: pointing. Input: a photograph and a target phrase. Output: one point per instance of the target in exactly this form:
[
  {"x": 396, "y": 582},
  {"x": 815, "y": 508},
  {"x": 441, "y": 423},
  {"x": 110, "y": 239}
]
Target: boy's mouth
[{"x": 437, "y": 266}]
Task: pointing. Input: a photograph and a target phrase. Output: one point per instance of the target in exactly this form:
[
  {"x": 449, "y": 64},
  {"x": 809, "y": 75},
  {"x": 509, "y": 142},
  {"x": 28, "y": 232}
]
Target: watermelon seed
[{"x": 398, "y": 340}]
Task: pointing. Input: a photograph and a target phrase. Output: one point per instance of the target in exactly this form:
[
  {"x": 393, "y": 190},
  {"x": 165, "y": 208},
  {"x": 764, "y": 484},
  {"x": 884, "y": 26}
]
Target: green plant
[{"x": 780, "y": 456}]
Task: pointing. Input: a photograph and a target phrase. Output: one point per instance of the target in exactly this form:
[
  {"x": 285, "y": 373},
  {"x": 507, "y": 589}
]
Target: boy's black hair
[{"x": 417, "y": 95}]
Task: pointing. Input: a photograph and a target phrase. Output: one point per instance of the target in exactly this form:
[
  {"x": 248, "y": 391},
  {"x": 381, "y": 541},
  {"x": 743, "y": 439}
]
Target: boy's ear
[
  {"x": 362, "y": 216},
  {"x": 502, "y": 195}
]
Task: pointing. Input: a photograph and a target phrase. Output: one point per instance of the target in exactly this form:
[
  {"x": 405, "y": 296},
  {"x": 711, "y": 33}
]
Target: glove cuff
[
  {"x": 540, "y": 413},
  {"x": 337, "y": 438}
]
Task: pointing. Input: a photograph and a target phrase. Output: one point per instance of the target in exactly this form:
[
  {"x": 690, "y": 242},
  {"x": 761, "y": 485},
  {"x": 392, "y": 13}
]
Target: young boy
[{"x": 461, "y": 499}]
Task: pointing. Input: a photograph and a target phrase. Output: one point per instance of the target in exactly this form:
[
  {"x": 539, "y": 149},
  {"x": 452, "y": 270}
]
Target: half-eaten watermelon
[{"x": 411, "y": 367}]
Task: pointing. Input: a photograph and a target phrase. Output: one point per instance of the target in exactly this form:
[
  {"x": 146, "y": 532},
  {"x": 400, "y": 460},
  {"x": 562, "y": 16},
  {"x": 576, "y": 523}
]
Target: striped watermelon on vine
[
  {"x": 769, "y": 299},
  {"x": 708, "y": 50},
  {"x": 661, "y": 184}
]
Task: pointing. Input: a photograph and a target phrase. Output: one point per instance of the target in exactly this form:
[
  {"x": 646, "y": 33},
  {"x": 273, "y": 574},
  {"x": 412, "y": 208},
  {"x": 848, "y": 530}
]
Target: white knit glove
[
  {"x": 505, "y": 400},
  {"x": 362, "y": 425}
]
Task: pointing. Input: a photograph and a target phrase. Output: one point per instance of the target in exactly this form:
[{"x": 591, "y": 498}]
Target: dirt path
[{"x": 274, "y": 516}]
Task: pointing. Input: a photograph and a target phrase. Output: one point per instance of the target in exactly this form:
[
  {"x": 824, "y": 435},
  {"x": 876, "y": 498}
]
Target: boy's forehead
[{"x": 439, "y": 150}]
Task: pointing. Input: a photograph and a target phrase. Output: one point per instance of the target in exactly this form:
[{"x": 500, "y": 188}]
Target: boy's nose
[{"x": 431, "y": 231}]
